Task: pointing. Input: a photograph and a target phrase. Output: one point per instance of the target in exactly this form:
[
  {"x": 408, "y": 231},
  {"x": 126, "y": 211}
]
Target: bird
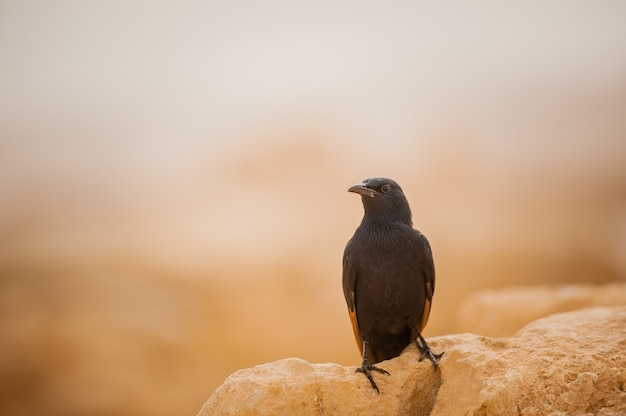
[{"x": 388, "y": 278}]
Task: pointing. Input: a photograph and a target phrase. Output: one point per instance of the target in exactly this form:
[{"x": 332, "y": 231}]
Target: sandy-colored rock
[
  {"x": 296, "y": 387},
  {"x": 573, "y": 363},
  {"x": 503, "y": 312},
  {"x": 566, "y": 364}
]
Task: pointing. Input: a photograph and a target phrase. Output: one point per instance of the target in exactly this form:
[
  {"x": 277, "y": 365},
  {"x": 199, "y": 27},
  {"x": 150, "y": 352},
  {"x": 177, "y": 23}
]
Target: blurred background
[{"x": 173, "y": 177}]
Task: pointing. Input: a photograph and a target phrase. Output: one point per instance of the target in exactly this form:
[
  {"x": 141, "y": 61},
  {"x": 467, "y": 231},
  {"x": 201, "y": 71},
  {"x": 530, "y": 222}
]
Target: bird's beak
[{"x": 361, "y": 189}]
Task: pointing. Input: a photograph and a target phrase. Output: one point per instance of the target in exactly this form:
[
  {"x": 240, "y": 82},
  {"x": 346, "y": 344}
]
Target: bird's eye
[{"x": 385, "y": 188}]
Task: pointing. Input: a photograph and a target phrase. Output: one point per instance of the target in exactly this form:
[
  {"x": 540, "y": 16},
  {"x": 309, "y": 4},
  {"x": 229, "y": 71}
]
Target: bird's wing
[
  {"x": 349, "y": 284},
  {"x": 429, "y": 282}
]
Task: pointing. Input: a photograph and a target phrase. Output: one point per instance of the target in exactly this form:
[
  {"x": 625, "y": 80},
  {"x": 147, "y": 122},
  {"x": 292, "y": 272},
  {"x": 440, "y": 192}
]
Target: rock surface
[
  {"x": 503, "y": 312},
  {"x": 567, "y": 364}
]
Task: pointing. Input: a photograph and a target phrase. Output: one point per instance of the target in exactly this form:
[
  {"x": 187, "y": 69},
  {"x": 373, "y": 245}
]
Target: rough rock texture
[
  {"x": 567, "y": 364},
  {"x": 503, "y": 312},
  {"x": 296, "y": 387}
]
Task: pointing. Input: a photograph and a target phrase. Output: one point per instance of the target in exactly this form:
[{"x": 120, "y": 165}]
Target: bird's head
[{"x": 383, "y": 198}]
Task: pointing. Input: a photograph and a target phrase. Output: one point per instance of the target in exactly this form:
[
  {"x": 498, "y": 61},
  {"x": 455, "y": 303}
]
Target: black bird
[{"x": 388, "y": 277}]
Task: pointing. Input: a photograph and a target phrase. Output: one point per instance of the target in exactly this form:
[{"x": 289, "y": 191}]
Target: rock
[
  {"x": 296, "y": 387},
  {"x": 503, "y": 312},
  {"x": 566, "y": 364},
  {"x": 569, "y": 363}
]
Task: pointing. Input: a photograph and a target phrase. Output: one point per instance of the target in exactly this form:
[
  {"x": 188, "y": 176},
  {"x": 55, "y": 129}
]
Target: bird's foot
[
  {"x": 426, "y": 352},
  {"x": 434, "y": 358},
  {"x": 367, "y": 368}
]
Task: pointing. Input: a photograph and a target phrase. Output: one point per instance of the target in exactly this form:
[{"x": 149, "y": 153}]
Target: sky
[{"x": 158, "y": 83}]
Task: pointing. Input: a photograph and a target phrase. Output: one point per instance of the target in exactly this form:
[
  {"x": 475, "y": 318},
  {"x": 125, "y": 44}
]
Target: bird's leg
[
  {"x": 366, "y": 368},
  {"x": 425, "y": 350}
]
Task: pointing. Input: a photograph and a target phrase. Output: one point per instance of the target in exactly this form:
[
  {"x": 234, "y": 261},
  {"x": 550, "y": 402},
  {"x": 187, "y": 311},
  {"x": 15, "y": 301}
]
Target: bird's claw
[
  {"x": 426, "y": 352},
  {"x": 366, "y": 368}
]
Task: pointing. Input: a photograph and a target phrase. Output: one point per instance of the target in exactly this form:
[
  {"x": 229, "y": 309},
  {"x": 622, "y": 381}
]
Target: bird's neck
[{"x": 387, "y": 219}]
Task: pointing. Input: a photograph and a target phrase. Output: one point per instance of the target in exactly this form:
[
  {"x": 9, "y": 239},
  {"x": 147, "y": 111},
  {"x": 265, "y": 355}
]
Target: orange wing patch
[
  {"x": 427, "y": 303},
  {"x": 355, "y": 323}
]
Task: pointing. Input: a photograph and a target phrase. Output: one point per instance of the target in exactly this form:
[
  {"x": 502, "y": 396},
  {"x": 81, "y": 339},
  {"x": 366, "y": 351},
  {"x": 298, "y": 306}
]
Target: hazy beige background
[{"x": 173, "y": 177}]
